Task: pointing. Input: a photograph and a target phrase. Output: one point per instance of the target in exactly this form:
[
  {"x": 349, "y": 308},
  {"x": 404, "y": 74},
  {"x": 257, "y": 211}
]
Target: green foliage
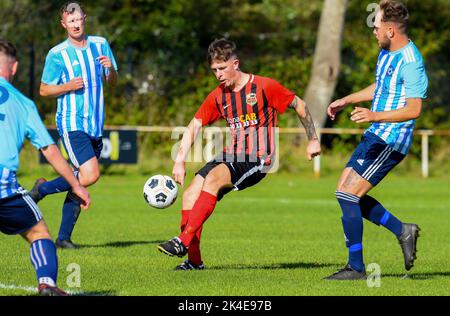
[{"x": 161, "y": 48}]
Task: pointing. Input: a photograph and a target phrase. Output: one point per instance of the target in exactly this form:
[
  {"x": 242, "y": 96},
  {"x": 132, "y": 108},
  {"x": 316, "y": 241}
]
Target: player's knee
[
  {"x": 90, "y": 177},
  {"x": 189, "y": 196},
  {"x": 39, "y": 231}
]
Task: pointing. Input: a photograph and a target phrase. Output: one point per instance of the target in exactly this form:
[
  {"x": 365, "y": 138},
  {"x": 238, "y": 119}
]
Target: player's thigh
[
  {"x": 219, "y": 177},
  {"x": 351, "y": 182},
  {"x": 192, "y": 192}
]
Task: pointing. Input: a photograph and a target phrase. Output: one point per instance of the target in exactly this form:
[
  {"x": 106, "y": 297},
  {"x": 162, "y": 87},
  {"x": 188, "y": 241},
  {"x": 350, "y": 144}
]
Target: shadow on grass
[
  {"x": 122, "y": 244},
  {"x": 96, "y": 293},
  {"x": 275, "y": 266},
  {"x": 417, "y": 276}
]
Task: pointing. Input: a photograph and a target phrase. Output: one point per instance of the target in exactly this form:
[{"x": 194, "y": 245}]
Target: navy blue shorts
[
  {"x": 18, "y": 213},
  {"x": 243, "y": 174},
  {"x": 81, "y": 147},
  {"x": 373, "y": 158}
]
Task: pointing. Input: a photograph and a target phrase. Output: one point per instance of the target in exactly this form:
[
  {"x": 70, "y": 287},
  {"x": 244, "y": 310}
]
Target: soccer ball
[{"x": 160, "y": 191}]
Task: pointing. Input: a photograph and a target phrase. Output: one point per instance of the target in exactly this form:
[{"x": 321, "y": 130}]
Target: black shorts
[{"x": 244, "y": 174}]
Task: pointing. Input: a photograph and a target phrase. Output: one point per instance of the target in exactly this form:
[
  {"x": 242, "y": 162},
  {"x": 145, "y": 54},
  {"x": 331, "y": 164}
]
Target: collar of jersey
[
  {"x": 80, "y": 48},
  {"x": 401, "y": 49}
]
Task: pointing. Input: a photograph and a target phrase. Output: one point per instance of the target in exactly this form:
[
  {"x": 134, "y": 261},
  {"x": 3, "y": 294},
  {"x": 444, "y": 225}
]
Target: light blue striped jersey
[
  {"x": 19, "y": 119},
  {"x": 400, "y": 75},
  {"x": 81, "y": 110}
]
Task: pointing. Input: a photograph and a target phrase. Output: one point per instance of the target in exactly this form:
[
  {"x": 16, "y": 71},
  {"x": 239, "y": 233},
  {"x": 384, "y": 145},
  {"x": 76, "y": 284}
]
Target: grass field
[{"x": 280, "y": 237}]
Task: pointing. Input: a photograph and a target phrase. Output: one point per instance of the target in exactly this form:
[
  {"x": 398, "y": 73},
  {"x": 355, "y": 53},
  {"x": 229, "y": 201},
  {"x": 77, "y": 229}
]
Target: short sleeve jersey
[
  {"x": 251, "y": 114},
  {"x": 82, "y": 110},
  {"x": 400, "y": 75},
  {"x": 19, "y": 119}
]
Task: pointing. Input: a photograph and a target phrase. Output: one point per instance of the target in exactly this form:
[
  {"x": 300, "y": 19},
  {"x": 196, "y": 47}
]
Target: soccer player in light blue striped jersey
[
  {"x": 19, "y": 214},
  {"x": 73, "y": 73},
  {"x": 401, "y": 84}
]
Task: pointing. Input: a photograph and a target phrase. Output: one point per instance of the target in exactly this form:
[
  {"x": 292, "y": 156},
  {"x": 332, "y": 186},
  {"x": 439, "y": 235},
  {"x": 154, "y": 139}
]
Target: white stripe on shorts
[
  {"x": 70, "y": 152},
  {"x": 377, "y": 163},
  {"x": 249, "y": 173},
  {"x": 33, "y": 206}
]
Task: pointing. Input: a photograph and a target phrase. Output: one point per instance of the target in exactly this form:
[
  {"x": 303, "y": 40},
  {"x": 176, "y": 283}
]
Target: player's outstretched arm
[
  {"x": 54, "y": 157},
  {"x": 365, "y": 94},
  {"x": 53, "y": 91},
  {"x": 179, "y": 169},
  {"x": 411, "y": 111},
  {"x": 313, "y": 148}
]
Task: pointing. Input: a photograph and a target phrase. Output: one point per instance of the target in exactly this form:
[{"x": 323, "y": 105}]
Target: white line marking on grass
[
  {"x": 18, "y": 287},
  {"x": 32, "y": 289}
]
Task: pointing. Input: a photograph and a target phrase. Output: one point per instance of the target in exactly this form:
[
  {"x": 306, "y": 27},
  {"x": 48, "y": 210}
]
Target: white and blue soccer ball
[{"x": 160, "y": 191}]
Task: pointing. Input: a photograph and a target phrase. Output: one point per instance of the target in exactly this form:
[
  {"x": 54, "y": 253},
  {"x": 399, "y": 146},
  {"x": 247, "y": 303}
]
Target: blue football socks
[
  {"x": 44, "y": 260},
  {"x": 55, "y": 186},
  {"x": 71, "y": 211},
  {"x": 373, "y": 211},
  {"x": 353, "y": 228}
]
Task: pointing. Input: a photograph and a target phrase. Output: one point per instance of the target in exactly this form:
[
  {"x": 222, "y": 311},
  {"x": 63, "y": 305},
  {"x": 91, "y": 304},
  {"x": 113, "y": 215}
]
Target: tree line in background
[{"x": 160, "y": 47}]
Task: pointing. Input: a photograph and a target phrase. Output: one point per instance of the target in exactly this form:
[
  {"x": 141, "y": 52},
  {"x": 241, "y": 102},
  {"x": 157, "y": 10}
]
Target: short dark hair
[
  {"x": 70, "y": 7},
  {"x": 221, "y": 49},
  {"x": 394, "y": 11},
  {"x": 8, "y": 49}
]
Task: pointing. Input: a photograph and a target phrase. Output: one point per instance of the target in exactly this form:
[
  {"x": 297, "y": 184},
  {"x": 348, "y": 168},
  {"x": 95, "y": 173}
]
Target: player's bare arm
[
  {"x": 112, "y": 75},
  {"x": 54, "y": 157},
  {"x": 179, "y": 170},
  {"x": 363, "y": 95},
  {"x": 313, "y": 148},
  {"x": 411, "y": 111},
  {"x": 53, "y": 91}
]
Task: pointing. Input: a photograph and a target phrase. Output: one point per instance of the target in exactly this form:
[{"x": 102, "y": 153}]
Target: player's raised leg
[{"x": 88, "y": 174}]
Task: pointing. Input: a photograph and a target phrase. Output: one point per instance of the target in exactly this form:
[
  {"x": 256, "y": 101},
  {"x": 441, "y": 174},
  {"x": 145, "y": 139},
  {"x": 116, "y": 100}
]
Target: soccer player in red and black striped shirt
[{"x": 250, "y": 105}]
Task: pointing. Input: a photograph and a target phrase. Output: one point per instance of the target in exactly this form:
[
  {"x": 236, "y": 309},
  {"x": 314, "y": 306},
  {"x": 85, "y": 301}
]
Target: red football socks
[
  {"x": 194, "y": 254},
  {"x": 203, "y": 208}
]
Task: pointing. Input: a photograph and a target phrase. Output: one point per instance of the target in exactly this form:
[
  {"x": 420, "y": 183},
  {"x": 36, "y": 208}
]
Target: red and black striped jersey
[{"x": 251, "y": 114}]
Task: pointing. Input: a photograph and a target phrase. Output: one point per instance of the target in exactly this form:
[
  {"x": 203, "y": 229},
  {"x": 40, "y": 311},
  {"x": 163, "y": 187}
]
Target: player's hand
[
  {"x": 179, "y": 172},
  {"x": 75, "y": 84},
  {"x": 105, "y": 61},
  {"x": 83, "y": 195},
  {"x": 362, "y": 115},
  {"x": 335, "y": 107},
  {"x": 313, "y": 149}
]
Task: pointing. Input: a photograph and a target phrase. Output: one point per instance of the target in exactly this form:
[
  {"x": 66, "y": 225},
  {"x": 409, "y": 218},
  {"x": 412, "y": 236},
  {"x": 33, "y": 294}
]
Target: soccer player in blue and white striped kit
[
  {"x": 19, "y": 214},
  {"x": 401, "y": 84},
  {"x": 73, "y": 73}
]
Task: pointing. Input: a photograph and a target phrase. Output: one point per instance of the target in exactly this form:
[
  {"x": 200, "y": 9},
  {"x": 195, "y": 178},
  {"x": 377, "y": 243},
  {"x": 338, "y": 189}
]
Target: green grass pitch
[{"x": 281, "y": 237}]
